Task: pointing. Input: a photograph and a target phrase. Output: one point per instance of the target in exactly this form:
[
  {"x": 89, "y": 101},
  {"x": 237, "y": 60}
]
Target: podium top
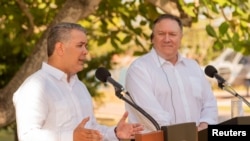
[{"x": 243, "y": 120}]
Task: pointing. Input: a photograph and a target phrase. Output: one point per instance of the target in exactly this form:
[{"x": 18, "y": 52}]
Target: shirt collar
[
  {"x": 160, "y": 61},
  {"x": 58, "y": 74}
]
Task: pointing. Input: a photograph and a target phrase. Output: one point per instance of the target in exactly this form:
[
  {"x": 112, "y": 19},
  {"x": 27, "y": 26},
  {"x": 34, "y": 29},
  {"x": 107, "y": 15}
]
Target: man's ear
[{"x": 59, "y": 49}]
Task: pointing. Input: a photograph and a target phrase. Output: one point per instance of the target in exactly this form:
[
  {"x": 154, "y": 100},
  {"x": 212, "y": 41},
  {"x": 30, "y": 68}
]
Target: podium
[
  {"x": 176, "y": 132},
  {"x": 151, "y": 136},
  {"x": 244, "y": 120}
]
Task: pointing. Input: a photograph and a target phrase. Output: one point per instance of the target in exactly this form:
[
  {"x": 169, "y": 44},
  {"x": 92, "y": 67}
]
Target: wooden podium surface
[
  {"x": 177, "y": 132},
  {"x": 243, "y": 120},
  {"x": 152, "y": 136},
  {"x": 181, "y": 132}
]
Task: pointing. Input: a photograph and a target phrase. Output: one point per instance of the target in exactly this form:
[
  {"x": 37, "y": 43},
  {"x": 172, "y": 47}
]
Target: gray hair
[{"x": 61, "y": 32}]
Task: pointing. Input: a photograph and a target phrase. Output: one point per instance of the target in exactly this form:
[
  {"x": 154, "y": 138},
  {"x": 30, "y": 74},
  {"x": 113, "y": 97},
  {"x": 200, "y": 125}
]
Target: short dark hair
[
  {"x": 166, "y": 16},
  {"x": 61, "y": 32}
]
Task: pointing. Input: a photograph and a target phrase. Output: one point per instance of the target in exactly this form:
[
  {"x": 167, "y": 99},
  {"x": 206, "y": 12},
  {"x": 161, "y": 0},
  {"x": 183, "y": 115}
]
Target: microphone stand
[
  {"x": 233, "y": 92},
  {"x": 119, "y": 95}
]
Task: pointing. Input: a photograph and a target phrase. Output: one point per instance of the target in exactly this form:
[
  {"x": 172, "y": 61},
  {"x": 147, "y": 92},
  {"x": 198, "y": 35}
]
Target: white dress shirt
[
  {"x": 48, "y": 108},
  {"x": 171, "y": 94}
]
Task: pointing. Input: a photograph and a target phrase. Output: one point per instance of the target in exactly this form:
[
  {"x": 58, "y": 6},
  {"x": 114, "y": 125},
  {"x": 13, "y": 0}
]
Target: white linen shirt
[
  {"x": 48, "y": 108},
  {"x": 171, "y": 94}
]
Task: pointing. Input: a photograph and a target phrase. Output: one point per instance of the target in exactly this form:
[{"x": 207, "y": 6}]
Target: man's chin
[{"x": 80, "y": 68}]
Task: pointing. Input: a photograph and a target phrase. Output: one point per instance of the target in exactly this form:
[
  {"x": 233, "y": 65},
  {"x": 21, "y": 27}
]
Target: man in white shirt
[
  {"x": 54, "y": 105},
  {"x": 170, "y": 88}
]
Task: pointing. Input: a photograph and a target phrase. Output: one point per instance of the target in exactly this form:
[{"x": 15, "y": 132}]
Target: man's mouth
[{"x": 81, "y": 61}]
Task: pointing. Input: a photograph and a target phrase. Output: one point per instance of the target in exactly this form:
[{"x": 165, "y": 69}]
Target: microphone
[
  {"x": 104, "y": 75},
  {"x": 212, "y": 72}
]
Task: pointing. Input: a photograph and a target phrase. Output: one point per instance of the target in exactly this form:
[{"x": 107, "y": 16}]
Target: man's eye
[
  {"x": 161, "y": 34},
  {"x": 173, "y": 34}
]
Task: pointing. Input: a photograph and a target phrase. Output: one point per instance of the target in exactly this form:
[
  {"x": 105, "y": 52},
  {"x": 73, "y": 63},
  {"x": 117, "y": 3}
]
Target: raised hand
[
  {"x": 126, "y": 130},
  {"x": 82, "y": 134}
]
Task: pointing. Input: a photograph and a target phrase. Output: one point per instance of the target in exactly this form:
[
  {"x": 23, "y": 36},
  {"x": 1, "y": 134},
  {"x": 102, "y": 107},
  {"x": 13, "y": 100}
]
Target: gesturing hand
[
  {"x": 125, "y": 130},
  {"x": 83, "y": 134},
  {"x": 202, "y": 126}
]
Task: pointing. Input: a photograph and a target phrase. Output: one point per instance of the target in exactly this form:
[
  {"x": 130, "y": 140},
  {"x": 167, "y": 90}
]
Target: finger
[
  {"x": 124, "y": 116},
  {"x": 96, "y": 133},
  {"x": 93, "y": 134},
  {"x": 135, "y": 125},
  {"x": 137, "y": 128},
  {"x": 83, "y": 122}
]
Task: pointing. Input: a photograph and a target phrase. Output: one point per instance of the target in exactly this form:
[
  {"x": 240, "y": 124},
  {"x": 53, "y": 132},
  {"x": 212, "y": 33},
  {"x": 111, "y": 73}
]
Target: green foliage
[
  {"x": 7, "y": 133},
  {"x": 21, "y": 27},
  {"x": 189, "y": 8},
  {"x": 121, "y": 24},
  {"x": 233, "y": 32}
]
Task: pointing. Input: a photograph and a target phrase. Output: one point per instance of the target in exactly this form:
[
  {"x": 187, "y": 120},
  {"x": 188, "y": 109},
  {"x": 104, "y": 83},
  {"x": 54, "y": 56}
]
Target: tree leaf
[
  {"x": 126, "y": 39},
  {"x": 210, "y": 30},
  {"x": 223, "y": 28}
]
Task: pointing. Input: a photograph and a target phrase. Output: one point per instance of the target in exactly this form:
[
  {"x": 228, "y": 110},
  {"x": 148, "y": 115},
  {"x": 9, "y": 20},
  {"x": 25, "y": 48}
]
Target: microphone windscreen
[
  {"x": 102, "y": 74},
  {"x": 210, "y": 71}
]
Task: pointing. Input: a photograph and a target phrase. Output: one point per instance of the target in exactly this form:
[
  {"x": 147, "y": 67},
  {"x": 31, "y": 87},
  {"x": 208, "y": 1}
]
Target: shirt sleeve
[
  {"x": 31, "y": 110},
  {"x": 209, "y": 111}
]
